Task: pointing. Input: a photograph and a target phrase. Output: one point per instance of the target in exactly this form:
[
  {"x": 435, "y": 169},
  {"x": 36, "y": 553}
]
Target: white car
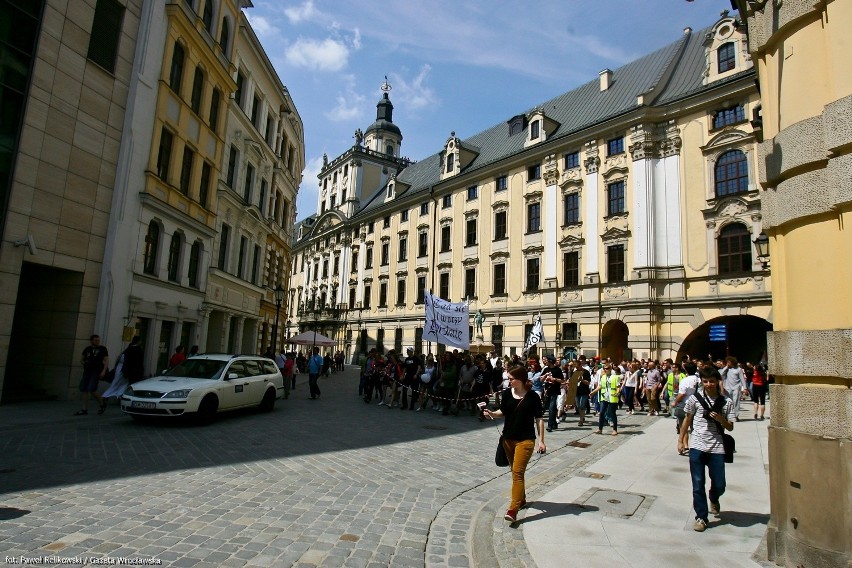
[{"x": 205, "y": 384}]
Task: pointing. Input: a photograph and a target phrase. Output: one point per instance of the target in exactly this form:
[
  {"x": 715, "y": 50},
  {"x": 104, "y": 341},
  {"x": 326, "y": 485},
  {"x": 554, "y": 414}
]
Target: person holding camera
[
  {"x": 521, "y": 407},
  {"x": 708, "y": 418}
]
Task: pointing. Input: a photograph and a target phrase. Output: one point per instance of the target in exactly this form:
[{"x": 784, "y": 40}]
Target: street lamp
[
  {"x": 279, "y": 297},
  {"x": 761, "y": 243}
]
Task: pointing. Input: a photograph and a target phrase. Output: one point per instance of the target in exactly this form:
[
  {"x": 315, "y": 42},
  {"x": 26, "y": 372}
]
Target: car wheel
[
  {"x": 207, "y": 410},
  {"x": 268, "y": 402}
]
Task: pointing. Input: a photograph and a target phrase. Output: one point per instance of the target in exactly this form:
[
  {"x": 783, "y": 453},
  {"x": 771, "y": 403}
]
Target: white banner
[
  {"x": 446, "y": 322},
  {"x": 536, "y": 335}
]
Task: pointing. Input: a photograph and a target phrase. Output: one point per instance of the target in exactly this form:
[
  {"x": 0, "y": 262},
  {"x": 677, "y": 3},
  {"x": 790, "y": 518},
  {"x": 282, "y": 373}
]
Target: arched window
[
  {"x": 197, "y": 89},
  {"x": 194, "y": 262},
  {"x": 176, "y": 72},
  {"x": 451, "y": 162},
  {"x": 734, "y": 249},
  {"x": 207, "y": 16},
  {"x": 152, "y": 244},
  {"x": 727, "y": 57},
  {"x": 225, "y": 36},
  {"x": 731, "y": 173},
  {"x": 174, "y": 257}
]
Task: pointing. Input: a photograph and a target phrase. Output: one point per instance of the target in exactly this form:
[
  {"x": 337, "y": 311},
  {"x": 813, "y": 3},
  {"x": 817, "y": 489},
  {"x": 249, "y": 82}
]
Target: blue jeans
[
  {"x": 715, "y": 464},
  {"x": 608, "y": 412},
  {"x": 551, "y": 412}
]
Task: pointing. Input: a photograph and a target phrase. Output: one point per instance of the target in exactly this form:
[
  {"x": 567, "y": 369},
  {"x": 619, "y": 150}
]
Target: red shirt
[
  {"x": 177, "y": 359},
  {"x": 757, "y": 378}
]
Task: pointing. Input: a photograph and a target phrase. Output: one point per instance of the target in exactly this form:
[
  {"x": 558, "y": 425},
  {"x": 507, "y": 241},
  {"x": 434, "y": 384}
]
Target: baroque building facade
[
  {"x": 622, "y": 212},
  {"x": 805, "y": 175}
]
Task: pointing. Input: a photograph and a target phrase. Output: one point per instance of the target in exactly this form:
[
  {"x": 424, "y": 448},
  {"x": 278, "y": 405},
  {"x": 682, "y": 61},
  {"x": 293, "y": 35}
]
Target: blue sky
[{"x": 453, "y": 65}]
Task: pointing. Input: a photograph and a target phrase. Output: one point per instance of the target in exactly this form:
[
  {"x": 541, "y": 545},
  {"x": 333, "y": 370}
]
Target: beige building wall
[
  {"x": 801, "y": 53},
  {"x": 61, "y": 197}
]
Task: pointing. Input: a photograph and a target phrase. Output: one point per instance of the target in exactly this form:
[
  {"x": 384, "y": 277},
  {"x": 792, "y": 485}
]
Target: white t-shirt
[
  {"x": 707, "y": 436},
  {"x": 687, "y": 388}
]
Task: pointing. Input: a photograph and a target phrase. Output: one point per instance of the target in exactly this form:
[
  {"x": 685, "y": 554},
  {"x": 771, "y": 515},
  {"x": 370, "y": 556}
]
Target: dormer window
[
  {"x": 727, "y": 57},
  {"x": 451, "y": 161},
  {"x": 516, "y": 124},
  {"x": 535, "y": 130},
  {"x": 390, "y": 190}
]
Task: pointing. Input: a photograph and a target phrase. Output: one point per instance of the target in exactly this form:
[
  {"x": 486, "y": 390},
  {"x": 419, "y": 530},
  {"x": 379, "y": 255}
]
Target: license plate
[{"x": 138, "y": 404}]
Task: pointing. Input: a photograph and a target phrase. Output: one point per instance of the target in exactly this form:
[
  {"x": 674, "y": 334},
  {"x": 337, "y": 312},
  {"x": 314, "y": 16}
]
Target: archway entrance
[
  {"x": 614, "y": 340},
  {"x": 745, "y": 339}
]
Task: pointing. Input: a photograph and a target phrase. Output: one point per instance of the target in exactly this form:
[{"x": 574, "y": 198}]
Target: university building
[{"x": 623, "y": 212}]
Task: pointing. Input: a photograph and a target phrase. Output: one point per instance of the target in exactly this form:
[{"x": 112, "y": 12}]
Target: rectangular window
[
  {"x": 400, "y": 292},
  {"x": 472, "y": 192},
  {"x": 164, "y": 154},
  {"x": 186, "y": 170},
  {"x": 214, "y": 109},
  {"x": 445, "y": 238},
  {"x": 336, "y": 265},
  {"x": 354, "y": 268},
  {"x": 470, "y": 233},
  {"x": 249, "y": 184},
  {"x": 534, "y": 217},
  {"x": 572, "y": 160},
  {"x": 106, "y": 33},
  {"x": 403, "y": 249},
  {"x": 352, "y": 298},
  {"x": 369, "y": 263},
  {"x": 255, "y": 265},
  {"x": 497, "y": 338},
  {"x": 447, "y": 201},
  {"x": 404, "y": 215},
  {"x": 470, "y": 283},
  {"x": 268, "y": 134},
  {"x": 422, "y": 244},
  {"x": 204, "y": 187},
  {"x": 241, "y": 258},
  {"x": 570, "y": 331},
  {"x": 385, "y": 221},
  {"x": 176, "y": 71},
  {"x": 261, "y": 201},
  {"x": 535, "y": 128},
  {"x": 421, "y": 289},
  {"x": 324, "y": 272},
  {"x": 571, "y": 208},
  {"x": 500, "y": 226},
  {"x": 502, "y": 183},
  {"x": 532, "y": 274},
  {"x": 615, "y": 263},
  {"x": 383, "y": 294},
  {"x": 194, "y": 261},
  {"x": 615, "y": 146},
  {"x": 255, "y": 112},
  {"x": 197, "y": 88},
  {"x": 615, "y": 198},
  {"x": 224, "y": 238},
  {"x": 368, "y": 292},
  {"x": 238, "y": 94},
  {"x": 385, "y": 254},
  {"x": 380, "y": 340},
  {"x": 571, "y": 269},
  {"x": 500, "y": 279},
  {"x": 444, "y": 285},
  {"x": 534, "y": 173},
  {"x": 370, "y": 227},
  {"x": 424, "y": 208},
  {"x": 233, "y": 159},
  {"x": 726, "y": 116}
]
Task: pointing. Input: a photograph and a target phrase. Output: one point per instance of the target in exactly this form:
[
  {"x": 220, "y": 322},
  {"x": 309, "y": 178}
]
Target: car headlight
[
  {"x": 178, "y": 393},
  {"x": 128, "y": 391}
]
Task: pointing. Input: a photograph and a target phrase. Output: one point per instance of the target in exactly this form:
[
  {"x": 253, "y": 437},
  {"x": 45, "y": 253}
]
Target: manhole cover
[
  {"x": 435, "y": 427},
  {"x": 597, "y": 475},
  {"x": 616, "y": 503}
]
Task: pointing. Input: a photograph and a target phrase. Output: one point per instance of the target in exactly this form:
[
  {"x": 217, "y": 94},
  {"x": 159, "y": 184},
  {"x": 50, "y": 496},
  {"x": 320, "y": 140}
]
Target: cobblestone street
[{"x": 333, "y": 482}]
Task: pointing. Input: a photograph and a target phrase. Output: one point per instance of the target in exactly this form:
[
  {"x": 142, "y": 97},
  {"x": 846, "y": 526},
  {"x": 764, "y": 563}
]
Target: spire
[{"x": 384, "y": 108}]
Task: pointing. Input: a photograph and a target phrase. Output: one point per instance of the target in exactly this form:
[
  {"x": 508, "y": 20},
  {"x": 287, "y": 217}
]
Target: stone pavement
[{"x": 336, "y": 482}]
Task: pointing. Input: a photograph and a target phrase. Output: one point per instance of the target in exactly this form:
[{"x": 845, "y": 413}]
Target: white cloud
[
  {"x": 303, "y": 13},
  {"x": 325, "y": 55},
  {"x": 261, "y": 25},
  {"x": 350, "y": 104},
  {"x": 415, "y": 94},
  {"x": 356, "y": 39}
]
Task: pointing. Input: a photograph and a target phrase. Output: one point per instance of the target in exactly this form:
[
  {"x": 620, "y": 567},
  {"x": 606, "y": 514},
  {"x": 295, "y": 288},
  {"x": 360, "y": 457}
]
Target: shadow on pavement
[
  {"x": 547, "y": 509},
  {"x": 742, "y": 519},
  {"x": 9, "y": 513}
]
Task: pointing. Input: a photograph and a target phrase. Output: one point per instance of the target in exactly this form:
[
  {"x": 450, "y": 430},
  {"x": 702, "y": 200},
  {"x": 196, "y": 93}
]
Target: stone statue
[
  {"x": 359, "y": 137},
  {"x": 324, "y": 159},
  {"x": 477, "y": 320}
]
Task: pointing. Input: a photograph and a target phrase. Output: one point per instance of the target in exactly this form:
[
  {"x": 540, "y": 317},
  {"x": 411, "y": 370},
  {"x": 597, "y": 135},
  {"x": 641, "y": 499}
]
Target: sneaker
[
  {"x": 761, "y": 418},
  {"x": 418, "y": 409},
  {"x": 511, "y": 515},
  {"x": 700, "y": 525},
  {"x": 381, "y": 402},
  {"x": 715, "y": 507}
]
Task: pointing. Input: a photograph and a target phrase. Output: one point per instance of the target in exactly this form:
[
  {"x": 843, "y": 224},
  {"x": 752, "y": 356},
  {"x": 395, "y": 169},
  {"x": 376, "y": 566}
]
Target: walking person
[
  {"x": 610, "y": 389},
  {"x": 314, "y": 368},
  {"x": 759, "y": 386},
  {"x": 281, "y": 362},
  {"x": 128, "y": 367},
  {"x": 652, "y": 382},
  {"x": 630, "y": 383},
  {"x": 708, "y": 419},
  {"x": 95, "y": 362},
  {"x": 522, "y": 409},
  {"x": 581, "y": 401},
  {"x": 552, "y": 378},
  {"x": 733, "y": 383}
]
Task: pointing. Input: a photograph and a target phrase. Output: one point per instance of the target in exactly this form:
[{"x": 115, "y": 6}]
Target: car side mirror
[{"x": 232, "y": 376}]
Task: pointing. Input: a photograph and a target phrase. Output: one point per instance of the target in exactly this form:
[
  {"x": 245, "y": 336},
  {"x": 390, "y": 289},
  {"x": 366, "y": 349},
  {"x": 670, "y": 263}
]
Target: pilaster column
[
  {"x": 550, "y": 217},
  {"x": 644, "y": 154},
  {"x": 591, "y": 215}
]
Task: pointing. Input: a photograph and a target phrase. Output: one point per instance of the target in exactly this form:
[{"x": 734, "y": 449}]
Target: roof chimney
[{"x": 606, "y": 79}]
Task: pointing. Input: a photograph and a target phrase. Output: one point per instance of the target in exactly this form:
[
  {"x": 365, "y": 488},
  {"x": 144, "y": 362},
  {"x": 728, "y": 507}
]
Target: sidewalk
[{"x": 644, "y": 517}]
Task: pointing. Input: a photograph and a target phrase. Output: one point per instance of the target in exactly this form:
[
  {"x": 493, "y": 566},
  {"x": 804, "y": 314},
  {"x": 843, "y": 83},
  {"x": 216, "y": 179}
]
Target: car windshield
[{"x": 197, "y": 369}]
